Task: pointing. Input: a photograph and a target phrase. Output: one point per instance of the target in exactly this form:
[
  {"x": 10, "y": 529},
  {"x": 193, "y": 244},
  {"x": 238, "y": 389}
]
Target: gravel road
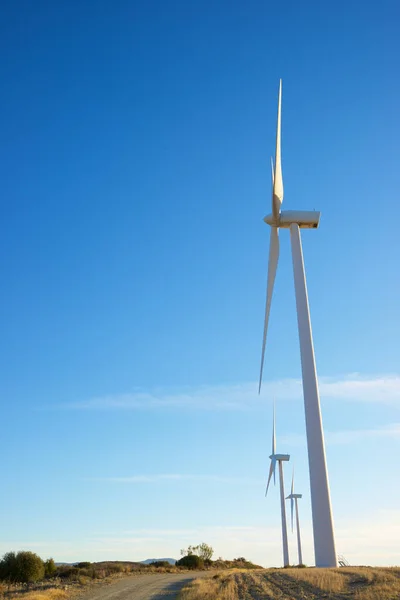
[{"x": 143, "y": 587}]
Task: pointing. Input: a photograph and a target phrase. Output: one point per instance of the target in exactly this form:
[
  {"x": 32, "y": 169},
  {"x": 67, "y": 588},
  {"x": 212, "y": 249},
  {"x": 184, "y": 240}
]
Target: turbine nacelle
[
  {"x": 305, "y": 219},
  {"x": 276, "y": 457},
  {"x": 293, "y": 496}
]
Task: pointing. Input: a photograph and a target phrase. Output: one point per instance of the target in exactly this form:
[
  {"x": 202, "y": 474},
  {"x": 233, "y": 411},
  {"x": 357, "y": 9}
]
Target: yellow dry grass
[
  {"x": 51, "y": 594},
  {"x": 328, "y": 580},
  {"x": 353, "y": 583},
  {"x": 219, "y": 587}
]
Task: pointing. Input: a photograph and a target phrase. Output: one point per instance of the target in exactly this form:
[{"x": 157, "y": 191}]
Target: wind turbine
[
  {"x": 324, "y": 541},
  {"x": 279, "y": 458},
  {"x": 294, "y": 503}
]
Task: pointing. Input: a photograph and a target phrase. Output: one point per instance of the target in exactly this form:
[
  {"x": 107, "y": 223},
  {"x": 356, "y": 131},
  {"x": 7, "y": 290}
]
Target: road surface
[{"x": 143, "y": 587}]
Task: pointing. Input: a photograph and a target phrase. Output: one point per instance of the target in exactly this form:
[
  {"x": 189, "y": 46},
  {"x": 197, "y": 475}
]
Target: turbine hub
[
  {"x": 305, "y": 219},
  {"x": 280, "y": 456}
]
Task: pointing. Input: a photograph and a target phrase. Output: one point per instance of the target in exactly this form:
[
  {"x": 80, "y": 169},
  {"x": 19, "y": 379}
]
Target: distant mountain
[{"x": 172, "y": 561}]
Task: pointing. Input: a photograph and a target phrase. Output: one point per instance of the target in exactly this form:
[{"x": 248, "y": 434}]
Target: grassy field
[{"x": 351, "y": 583}]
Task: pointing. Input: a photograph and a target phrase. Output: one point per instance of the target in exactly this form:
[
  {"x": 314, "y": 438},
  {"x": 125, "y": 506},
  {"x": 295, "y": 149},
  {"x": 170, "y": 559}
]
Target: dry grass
[
  {"x": 51, "y": 594},
  {"x": 361, "y": 583},
  {"x": 329, "y": 580},
  {"x": 219, "y": 587}
]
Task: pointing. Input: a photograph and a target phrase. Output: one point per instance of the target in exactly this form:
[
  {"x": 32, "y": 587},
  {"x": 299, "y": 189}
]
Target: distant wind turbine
[
  {"x": 324, "y": 541},
  {"x": 294, "y": 504},
  {"x": 279, "y": 458}
]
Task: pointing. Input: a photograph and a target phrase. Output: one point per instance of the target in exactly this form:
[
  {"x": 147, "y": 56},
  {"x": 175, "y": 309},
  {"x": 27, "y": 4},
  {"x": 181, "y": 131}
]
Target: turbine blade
[
  {"x": 272, "y": 266},
  {"x": 272, "y": 172},
  {"x": 271, "y": 471},
  {"x": 273, "y": 432},
  {"x": 277, "y": 193},
  {"x": 291, "y": 510}
]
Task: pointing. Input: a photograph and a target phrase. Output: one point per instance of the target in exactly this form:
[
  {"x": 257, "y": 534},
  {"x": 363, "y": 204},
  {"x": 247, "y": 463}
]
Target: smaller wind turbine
[
  {"x": 279, "y": 458},
  {"x": 293, "y": 502}
]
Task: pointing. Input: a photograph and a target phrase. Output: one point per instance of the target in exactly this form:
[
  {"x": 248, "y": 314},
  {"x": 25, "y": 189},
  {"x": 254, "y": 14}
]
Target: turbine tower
[
  {"x": 279, "y": 458},
  {"x": 324, "y": 541},
  {"x": 294, "y": 501}
]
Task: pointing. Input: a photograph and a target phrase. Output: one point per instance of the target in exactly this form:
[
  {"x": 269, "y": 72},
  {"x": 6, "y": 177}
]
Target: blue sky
[{"x": 134, "y": 179}]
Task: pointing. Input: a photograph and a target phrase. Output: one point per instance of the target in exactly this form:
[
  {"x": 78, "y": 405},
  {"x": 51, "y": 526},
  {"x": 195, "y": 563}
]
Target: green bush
[
  {"x": 8, "y": 566},
  {"x": 160, "y": 563},
  {"x": 191, "y": 561},
  {"x": 83, "y": 565},
  {"x": 24, "y": 567},
  {"x": 49, "y": 568}
]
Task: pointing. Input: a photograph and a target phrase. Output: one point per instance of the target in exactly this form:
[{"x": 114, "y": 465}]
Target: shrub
[
  {"x": 191, "y": 561},
  {"x": 160, "y": 563},
  {"x": 83, "y": 565},
  {"x": 68, "y": 572},
  {"x": 8, "y": 566},
  {"x": 49, "y": 568},
  {"x": 24, "y": 567}
]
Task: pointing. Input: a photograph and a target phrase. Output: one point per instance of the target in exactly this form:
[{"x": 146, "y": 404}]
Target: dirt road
[{"x": 143, "y": 587}]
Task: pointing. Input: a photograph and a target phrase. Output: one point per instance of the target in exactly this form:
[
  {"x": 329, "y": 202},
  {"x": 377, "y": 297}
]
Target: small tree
[
  {"x": 24, "y": 567},
  {"x": 191, "y": 561},
  {"x": 203, "y": 550},
  {"x": 49, "y": 567},
  {"x": 188, "y": 551},
  {"x": 8, "y": 566}
]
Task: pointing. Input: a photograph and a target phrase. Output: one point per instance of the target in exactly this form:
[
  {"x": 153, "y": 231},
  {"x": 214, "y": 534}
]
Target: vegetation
[
  {"x": 160, "y": 563},
  {"x": 203, "y": 550},
  {"x": 49, "y": 568},
  {"x": 191, "y": 561},
  {"x": 24, "y": 567},
  {"x": 357, "y": 583},
  {"x": 26, "y": 573}
]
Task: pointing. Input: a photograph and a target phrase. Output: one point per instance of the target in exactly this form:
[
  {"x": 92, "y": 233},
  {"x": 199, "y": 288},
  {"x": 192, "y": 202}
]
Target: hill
[{"x": 171, "y": 561}]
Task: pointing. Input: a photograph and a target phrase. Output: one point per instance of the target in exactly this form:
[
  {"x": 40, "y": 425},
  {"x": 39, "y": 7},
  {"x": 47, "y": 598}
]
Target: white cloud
[
  {"x": 349, "y": 436},
  {"x": 354, "y": 387},
  {"x": 380, "y": 388}
]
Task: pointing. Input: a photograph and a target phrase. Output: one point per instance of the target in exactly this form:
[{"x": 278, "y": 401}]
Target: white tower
[
  {"x": 324, "y": 541},
  {"x": 294, "y": 498},
  {"x": 280, "y": 459}
]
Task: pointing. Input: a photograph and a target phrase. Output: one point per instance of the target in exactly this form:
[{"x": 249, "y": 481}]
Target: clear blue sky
[{"x": 135, "y": 174}]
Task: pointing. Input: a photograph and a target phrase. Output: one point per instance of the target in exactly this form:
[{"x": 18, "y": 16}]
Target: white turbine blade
[
  {"x": 272, "y": 172},
  {"x": 271, "y": 468},
  {"x": 271, "y": 472},
  {"x": 277, "y": 194},
  {"x": 273, "y": 432},
  {"x": 291, "y": 510},
  {"x": 272, "y": 266}
]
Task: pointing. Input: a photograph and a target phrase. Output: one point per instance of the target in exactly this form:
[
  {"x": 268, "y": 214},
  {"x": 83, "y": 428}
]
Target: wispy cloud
[
  {"x": 353, "y": 387},
  {"x": 175, "y": 477},
  {"x": 349, "y": 436}
]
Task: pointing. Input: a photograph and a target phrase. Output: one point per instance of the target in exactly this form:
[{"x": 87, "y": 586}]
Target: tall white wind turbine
[
  {"x": 294, "y": 504},
  {"x": 324, "y": 541},
  {"x": 279, "y": 458}
]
